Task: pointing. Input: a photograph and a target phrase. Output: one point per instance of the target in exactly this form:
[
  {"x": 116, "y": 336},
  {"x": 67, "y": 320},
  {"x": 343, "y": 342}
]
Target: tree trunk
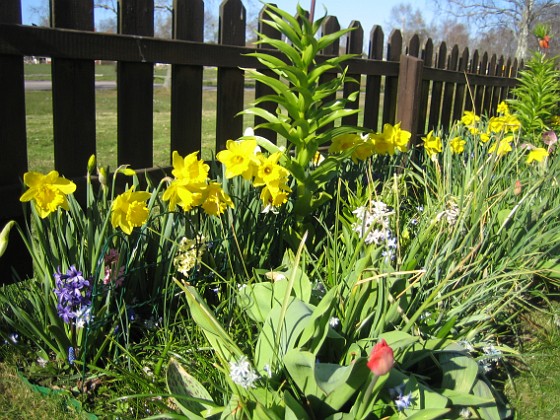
[{"x": 523, "y": 35}]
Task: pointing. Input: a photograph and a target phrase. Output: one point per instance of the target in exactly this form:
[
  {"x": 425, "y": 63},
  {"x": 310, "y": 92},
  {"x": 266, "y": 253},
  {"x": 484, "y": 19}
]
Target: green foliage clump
[{"x": 536, "y": 98}]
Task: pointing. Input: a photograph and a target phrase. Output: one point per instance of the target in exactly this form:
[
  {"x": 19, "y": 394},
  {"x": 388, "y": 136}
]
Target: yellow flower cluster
[
  {"x": 48, "y": 192},
  {"x": 502, "y": 128},
  {"x": 387, "y": 142},
  {"x": 243, "y": 158},
  {"x": 130, "y": 210},
  {"x": 190, "y": 187},
  {"x": 432, "y": 144}
]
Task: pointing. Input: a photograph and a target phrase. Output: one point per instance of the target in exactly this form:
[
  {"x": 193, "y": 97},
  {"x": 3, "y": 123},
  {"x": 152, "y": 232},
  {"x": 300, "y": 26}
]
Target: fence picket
[
  {"x": 437, "y": 90},
  {"x": 354, "y": 44},
  {"x": 459, "y": 101},
  {"x": 394, "y": 50},
  {"x": 13, "y": 159},
  {"x": 186, "y": 81},
  {"x": 427, "y": 56},
  {"x": 449, "y": 89},
  {"x": 373, "y": 82},
  {"x": 489, "y": 90},
  {"x": 73, "y": 93},
  {"x": 135, "y": 89},
  {"x": 231, "y": 82},
  {"x": 471, "y": 89}
]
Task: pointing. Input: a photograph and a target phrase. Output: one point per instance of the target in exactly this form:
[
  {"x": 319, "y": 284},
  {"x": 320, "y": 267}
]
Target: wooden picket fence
[{"x": 418, "y": 85}]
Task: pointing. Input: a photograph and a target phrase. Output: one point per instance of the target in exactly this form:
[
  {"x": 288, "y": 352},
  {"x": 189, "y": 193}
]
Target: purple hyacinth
[
  {"x": 73, "y": 293},
  {"x": 71, "y": 355}
]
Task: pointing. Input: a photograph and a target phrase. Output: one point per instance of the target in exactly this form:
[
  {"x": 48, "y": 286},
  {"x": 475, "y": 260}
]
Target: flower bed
[{"x": 369, "y": 280}]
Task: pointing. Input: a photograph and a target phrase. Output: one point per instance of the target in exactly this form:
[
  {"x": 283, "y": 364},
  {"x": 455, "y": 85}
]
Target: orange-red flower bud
[
  {"x": 544, "y": 42},
  {"x": 381, "y": 358}
]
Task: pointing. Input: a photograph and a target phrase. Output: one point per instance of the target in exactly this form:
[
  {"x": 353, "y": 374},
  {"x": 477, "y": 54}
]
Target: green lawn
[{"x": 40, "y": 127}]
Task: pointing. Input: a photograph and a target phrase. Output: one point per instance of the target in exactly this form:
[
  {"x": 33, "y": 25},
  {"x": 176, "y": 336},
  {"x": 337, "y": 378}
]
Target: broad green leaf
[
  {"x": 459, "y": 371},
  {"x": 482, "y": 390},
  {"x": 429, "y": 413},
  {"x": 470, "y": 400},
  {"x": 181, "y": 384},
  {"x": 297, "y": 317},
  {"x": 315, "y": 333},
  {"x": 218, "y": 338},
  {"x": 294, "y": 410}
]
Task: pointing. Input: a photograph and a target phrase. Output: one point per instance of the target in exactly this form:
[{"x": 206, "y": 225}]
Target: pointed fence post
[
  {"x": 186, "y": 81},
  {"x": 354, "y": 45},
  {"x": 13, "y": 159},
  {"x": 231, "y": 81},
  {"x": 373, "y": 82},
  {"x": 409, "y": 91},
  {"x": 135, "y": 84}
]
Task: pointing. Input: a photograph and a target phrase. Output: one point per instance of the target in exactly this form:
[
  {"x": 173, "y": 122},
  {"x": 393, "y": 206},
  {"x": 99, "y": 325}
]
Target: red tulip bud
[{"x": 381, "y": 358}]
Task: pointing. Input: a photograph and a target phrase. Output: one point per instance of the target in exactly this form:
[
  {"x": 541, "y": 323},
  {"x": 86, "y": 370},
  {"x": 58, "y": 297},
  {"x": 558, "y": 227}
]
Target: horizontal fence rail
[{"x": 414, "y": 84}]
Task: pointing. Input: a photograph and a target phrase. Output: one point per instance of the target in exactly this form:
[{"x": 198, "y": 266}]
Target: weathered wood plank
[
  {"x": 409, "y": 91},
  {"x": 354, "y": 45},
  {"x": 73, "y": 94},
  {"x": 394, "y": 50},
  {"x": 47, "y": 42},
  {"x": 428, "y": 57},
  {"x": 480, "y": 90},
  {"x": 373, "y": 82},
  {"x": 231, "y": 83},
  {"x": 13, "y": 159},
  {"x": 449, "y": 90},
  {"x": 186, "y": 81},
  {"x": 135, "y": 87},
  {"x": 459, "y": 102},
  {"x": 437, "y": 90}
]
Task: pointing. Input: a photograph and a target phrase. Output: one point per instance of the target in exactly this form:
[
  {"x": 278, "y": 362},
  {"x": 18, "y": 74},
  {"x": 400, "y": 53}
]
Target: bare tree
[
  {"x": 519, "y": 15},
  {"x": 410, "y": 22}
]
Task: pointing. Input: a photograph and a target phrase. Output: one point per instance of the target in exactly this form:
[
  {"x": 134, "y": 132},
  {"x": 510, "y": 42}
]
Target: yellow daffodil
[
  {"x": 48, "y": 192},
  {"x": 512, "y": 123},
  {"x": 496, "y": 124},
  {"x": 363, "y": 150},
  {"x": 503, "y": 108},
  {"x": 343, "y": 142},
  {"x": 502, "y": 148},
  {"x": 393, "y": 138},
  {"x": 184, "y": 194},
  {"x": 469, "y": 118},
  {"x": 536, "y": 155},
  {"x": 432, "y": 144},
  {"x": 275, "y": 196},
  {"x": 215, "y": 200},
  {"x": 457, "y": 145},
  {"x": 484, "y": 137},
  {"x": 190, "y": 168},
  {"x": 239, "y": 158},
  {"x": 268, "y": 170},
  {"x": 129, "y": 210}
]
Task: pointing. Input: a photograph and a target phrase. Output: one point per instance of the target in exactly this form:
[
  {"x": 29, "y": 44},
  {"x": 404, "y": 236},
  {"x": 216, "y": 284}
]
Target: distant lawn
[{"x": 40, "y": 127}]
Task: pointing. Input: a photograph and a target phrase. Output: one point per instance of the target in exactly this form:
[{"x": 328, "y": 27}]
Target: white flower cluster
[
  {"x": 373, "y": 223},
  {"x": 242, "y": 373},
  {"x": 188, "y": 253},
  {"x": 491, "y": 355},
  {"x": 450, "y": 214}
]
